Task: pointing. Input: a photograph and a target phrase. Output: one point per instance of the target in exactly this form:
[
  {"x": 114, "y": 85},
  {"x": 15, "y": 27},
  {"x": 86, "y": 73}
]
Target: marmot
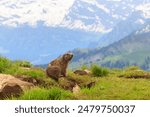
[{"x": 57, "y": 68}]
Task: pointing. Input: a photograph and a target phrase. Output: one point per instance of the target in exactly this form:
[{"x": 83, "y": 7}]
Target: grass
[
  {"x": 20, "y": 68},
  {"x": 23, "y": 63},
  {"x": 54, "y": 93},
  {"x": 99, "y": 71},
  {"x": 112, "y": 87},
  {"x": 4, "y": 64},
  {"x": 134, "y": 72},
  {"x": 84, "y": 67},
  {"x": 116, "y": 89},
  {"x": 32, "y": 72},
  {"x": 106, "y": 88},
  {"x": 110, "y": 84},
  {"x": 109, "y": 87}
]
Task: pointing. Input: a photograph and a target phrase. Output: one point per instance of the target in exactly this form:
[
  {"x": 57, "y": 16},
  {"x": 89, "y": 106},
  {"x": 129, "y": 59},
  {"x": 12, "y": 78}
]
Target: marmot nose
[{"x": 71, "y": 54}]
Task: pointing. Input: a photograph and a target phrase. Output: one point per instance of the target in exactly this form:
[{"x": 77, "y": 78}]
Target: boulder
[
  {"x": 87, "y": 71},
  {"x": 76, "y": 89},
  {"x": 90, "y": 84},
  {"x": 27, "y": 79},
  {"x": 66, "y": 84},
  {"x": 11, "y": 86},
  {"x": 82, "y": 72}
]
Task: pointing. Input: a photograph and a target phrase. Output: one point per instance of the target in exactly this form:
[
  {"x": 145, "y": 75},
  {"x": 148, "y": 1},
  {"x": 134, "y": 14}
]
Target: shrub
[
  {"x": 132, "y": 68},
  {"x": 135, "y": 74},
  {"x": 4, "y": 64},
  {"x": 83, "y": 67},
  {"x": 12, "y": 70},
  {"x": 23, "y": 63},
  {"x": 99, "y": 71},
  {"x": 54, "y": 93},
  {"x": 34, "y": 73}
]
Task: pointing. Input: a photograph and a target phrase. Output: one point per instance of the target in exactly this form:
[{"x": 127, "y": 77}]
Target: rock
[
  {"x": 11, "y": 86},
  {"x": 66, "y": 84},
  {"x": 76, "y": 89},
  {"x": 91, "y": 84},
  {"x": 30, "y": 80},
  {"x": 82, "y": 72},
  {"x": 87, "y": 71},
  {"x": 27, "y": 79},
  {"x": 25, "y": 68}
]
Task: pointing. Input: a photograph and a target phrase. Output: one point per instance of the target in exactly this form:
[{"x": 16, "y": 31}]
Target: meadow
[{"x": 131, "y": 83}]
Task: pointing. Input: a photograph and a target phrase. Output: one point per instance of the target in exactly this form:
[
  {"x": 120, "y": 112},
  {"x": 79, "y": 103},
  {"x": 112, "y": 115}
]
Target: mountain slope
[
  {"x": 99, "y": 15},
  {"x": 132, "y": 50},
  {"x": 138, "y": 19},
  {"x": 40, "y": 44},
  {"x": 40, "y": 31}
]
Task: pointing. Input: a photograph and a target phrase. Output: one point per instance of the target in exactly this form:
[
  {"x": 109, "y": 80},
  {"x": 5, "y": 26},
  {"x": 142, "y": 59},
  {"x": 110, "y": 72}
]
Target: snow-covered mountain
[
  {"x": 99, "y": 15},
  {"x": 88, "y": 15},
  {"x": 146, "y": 29},
  {"x": 138, "y": 19},
  {"x": 19, "y": 12},
  {"x": 39, "y": 30}
]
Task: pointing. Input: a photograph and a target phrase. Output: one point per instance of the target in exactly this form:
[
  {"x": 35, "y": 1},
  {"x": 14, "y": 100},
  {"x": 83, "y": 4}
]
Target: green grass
[
  {"x": 54, "y": 93},
  {"x": 84, "y": 67},
  {"x": 134, "y": 72},
  {"x": 107, "y": 87},
  {"x": 112, "y": 87},
  {"x": 117, "y": 89},
  {"x": 110, "y": 84},
  {"x": 4, "y": 64},
  {"x": 23, "y": 63},
  {"x": 99, "y": 71},
  {"x": 20, "y": 68},
  {"x": 34, "y": 73}
]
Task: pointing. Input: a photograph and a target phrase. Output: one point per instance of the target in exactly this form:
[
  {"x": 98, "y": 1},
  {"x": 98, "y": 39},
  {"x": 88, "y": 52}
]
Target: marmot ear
[{"x": 65, "y": 57}]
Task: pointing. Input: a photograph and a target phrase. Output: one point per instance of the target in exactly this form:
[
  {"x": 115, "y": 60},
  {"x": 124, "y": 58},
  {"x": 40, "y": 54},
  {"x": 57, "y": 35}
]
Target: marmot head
[{"x": 67, "y": 57}]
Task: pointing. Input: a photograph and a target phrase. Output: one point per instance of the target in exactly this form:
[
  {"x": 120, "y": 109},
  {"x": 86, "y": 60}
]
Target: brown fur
[{"x": 58, "y": 67}]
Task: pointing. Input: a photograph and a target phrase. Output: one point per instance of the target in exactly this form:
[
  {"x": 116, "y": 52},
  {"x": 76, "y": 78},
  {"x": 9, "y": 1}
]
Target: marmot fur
[{"x": 57, "y": 68}]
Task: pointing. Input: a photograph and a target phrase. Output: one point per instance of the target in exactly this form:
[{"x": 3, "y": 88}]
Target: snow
[
  {"x": 103, "y": 7},
  {"x": 145, "y": 8},
  {"x": 90, "y": 9},
  {"x": 144, "y": 30},
  {"x": 97, "y": 27},
  {"x": 140, "y": 21},
  {"x": 31, "y": 11},
  {"x": 114, "y": 0},
  {"x": 100, "y": 6},
  {"x": 94, "y": 15},
  {"x": 115, "y": 16}
]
